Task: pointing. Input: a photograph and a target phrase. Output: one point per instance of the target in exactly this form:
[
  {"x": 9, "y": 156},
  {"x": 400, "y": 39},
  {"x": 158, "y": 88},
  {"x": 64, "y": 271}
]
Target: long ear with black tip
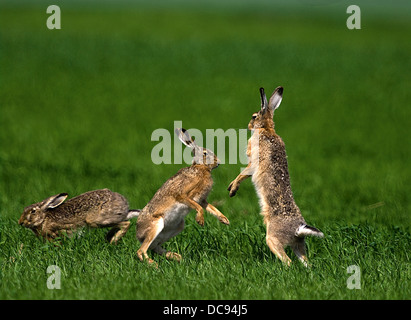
[
  {"x": 185, "y": 137},
  {"x": 54, "y": 201},
  {"x": 264, "y": 103},
  {"x": 276, "y": 99}
]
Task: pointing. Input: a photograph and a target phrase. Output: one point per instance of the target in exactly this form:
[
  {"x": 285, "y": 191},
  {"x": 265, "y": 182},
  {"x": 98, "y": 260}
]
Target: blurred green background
[{"x": 78, "y": 106}]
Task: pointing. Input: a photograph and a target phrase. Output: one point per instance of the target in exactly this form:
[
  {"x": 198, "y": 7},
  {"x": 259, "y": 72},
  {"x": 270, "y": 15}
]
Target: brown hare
[
  {"x": 268, "y": 168},
  {"x": 96, "y": 209},
  {"x": 163, "y": 217}
]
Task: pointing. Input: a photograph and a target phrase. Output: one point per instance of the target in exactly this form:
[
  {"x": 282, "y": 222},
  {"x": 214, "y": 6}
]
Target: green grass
[{"x": 78, "y": 106}]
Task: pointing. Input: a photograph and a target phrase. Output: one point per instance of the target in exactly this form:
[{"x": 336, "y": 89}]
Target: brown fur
[
  {"x": 96, "y": 209},
  {"x": 268, "y": 168},
  {"x": 163, "y": 217}
]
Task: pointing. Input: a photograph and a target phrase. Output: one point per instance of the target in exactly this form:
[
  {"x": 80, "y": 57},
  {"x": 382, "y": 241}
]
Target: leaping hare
[
  {"x": 268, "y": 168},
  {"x": 163, "y": 217},
  {"x": 53, "y": 217}
]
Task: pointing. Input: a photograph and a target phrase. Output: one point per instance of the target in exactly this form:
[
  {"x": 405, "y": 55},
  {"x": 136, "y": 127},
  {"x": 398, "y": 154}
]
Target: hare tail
[
  {"x": 305, "y": 230},
  {"x": 133, "y": 213}
]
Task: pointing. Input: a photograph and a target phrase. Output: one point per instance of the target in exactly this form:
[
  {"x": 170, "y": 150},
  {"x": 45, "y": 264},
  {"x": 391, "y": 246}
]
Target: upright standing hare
[
  {"x": 163, "y": 217},
  {"x": 269, "y": 170},
  {"x": 97, "y": 209}
]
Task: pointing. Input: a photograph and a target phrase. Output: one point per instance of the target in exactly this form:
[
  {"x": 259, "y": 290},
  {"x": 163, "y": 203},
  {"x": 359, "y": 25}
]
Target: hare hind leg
[
  {"x": 156, "y": 227},
  {"x": 299, "y": 250},
  {"x": 106, "y": 218},
  {"x": 277, "y": 248},
  {"x": 169, "y": 254},
  {"x": 118, "y": 231}
]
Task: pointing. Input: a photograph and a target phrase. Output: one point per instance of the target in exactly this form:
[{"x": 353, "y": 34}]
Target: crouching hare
[
  {"x": 268, "y": 168},
  {"x": 163, "y": 217},
  {"x": 96, "y": 209}
]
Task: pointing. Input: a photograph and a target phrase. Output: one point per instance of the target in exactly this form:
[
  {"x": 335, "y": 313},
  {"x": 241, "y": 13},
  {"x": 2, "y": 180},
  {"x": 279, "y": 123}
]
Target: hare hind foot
[
  {"x": 143, "y": 256},
  {"x": 168, "y": 254},
  {"x": 173, "y": 256},
  {"x": 117, "y": 232},
  {"x": 277, "y": 248}
]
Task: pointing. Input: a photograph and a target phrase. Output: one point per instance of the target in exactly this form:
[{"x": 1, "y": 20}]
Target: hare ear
[
  {"x": 54, "y": 201},
  {"x": 185, "y": 137},
  {"x": 276, "y": 99},
  {"x": 264, "y": 103}
]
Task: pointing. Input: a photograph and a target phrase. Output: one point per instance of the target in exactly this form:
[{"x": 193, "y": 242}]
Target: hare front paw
[
  {"x": 224, "y": 220},
  {"x": 233, "y": 187},
  {"x": 200, "y": 218}
]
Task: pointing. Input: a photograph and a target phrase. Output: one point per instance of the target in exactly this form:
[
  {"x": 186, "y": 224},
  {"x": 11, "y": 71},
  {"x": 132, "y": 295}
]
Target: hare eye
[
  {"x": 254, "y": 116},
  {"x": 33, "y": 211}
]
